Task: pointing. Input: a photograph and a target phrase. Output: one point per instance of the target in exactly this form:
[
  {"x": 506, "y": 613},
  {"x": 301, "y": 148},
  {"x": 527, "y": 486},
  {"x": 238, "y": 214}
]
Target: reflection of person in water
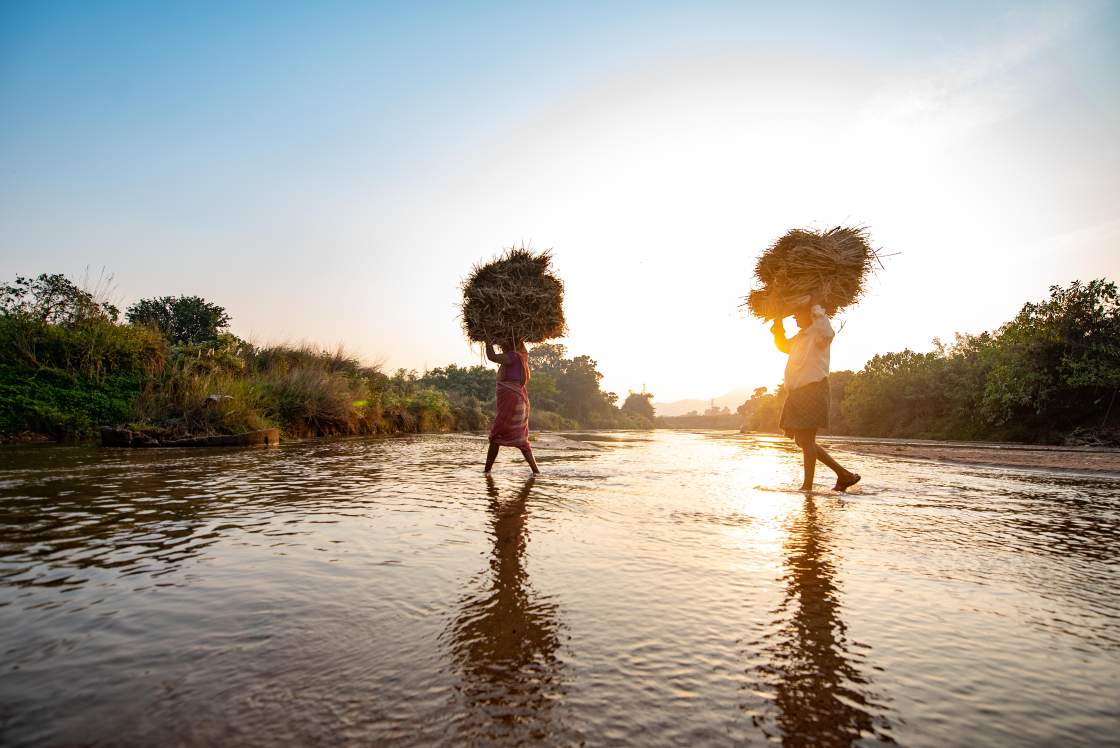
[
  {"x": 810, "y": 665},
  {"x": 505, "y": 638}
]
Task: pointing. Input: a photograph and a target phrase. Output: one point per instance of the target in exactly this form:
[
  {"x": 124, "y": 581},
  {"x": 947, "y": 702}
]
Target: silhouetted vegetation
[
  {"x": 566, "y": 391},
  {"x": 713, "y": 417},
  {"x": 695, "y": 420},
  {"x": 68, "y": 366},
  {"x": 1050, "y": 375},
  {"x": 639, "y": 404}
]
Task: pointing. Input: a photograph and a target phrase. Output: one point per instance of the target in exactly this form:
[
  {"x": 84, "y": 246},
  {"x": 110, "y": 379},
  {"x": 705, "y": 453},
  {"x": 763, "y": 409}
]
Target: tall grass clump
[
  {"x": 311, "y": 400},
  {"x": 202, "y": 390}
]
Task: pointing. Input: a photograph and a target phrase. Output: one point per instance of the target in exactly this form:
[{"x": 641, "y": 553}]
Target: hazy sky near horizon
[{"x": 330, "y": 171}]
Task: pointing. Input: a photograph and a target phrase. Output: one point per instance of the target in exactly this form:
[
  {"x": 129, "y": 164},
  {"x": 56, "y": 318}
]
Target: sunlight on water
[{"x": 649, "y": 588}]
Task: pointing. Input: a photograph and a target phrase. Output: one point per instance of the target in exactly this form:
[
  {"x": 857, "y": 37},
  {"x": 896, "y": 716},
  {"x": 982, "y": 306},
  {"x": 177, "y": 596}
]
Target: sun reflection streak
[{"x": 808, "y": 670}]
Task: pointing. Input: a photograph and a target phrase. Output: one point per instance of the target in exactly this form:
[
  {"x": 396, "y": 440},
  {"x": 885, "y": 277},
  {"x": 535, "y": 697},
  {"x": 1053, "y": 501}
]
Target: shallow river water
[{"x": 648, "y": 589}]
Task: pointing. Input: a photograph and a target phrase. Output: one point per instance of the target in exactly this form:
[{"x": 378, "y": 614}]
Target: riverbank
[
  {"x": 1100, "y": 460},
  {"x": 65, "y": 381},
  {"x": 1075, "y": 459}
]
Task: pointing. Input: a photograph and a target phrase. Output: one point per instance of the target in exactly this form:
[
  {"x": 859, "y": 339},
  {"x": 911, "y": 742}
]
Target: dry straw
[
  {"x": 514, "y": 297},
  {"x": 832, "y": 265}
]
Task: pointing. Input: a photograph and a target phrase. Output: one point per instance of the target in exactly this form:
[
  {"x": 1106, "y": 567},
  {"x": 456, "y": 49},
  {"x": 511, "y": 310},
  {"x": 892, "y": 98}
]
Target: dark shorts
[{"x": 806, "y": 408}]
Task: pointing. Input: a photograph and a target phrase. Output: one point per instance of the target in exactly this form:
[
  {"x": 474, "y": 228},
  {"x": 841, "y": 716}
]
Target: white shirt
[{"x": 808, "y": 352}]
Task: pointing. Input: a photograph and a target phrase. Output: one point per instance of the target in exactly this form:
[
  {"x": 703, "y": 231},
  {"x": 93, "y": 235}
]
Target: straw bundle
[
  {"x": 516, "y": 296},
  {"x": 832, "y": 265}
]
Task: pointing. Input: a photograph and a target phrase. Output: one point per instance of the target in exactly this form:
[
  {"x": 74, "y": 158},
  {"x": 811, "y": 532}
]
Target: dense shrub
[
  {"x": 62, "y": 404},
  {"x": 180, "y": 319},
  {"x": 69, "y": 367},
  {"x": 1049, "y": 375}
]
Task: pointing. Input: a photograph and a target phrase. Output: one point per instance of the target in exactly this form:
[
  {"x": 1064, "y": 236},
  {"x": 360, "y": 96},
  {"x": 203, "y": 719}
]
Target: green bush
[
  {"x": 93, "y": 348},
  {"x": 62, "y": 404},
  {"x": 469, "y": 414},
  {"x": 546, "y": 420},
  {"x": 1052, "y": 371},
  {"x": 69, "y": 367}
]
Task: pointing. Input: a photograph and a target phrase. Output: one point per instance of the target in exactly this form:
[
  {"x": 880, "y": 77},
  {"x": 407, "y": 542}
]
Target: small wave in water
[{"x": 649, "y": 588}]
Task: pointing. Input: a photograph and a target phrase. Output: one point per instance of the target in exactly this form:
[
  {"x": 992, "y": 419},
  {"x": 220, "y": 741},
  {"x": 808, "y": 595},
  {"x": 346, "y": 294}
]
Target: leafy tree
[
  {"x": 1051, "y": 371},
  {"x": 457, "y": 381},
  {"x": 762, "y": 411},
  {"x": 838, "y": 382},
  {"x": 54, "y": 300},
  {"x": 548, "y": 357},
  {"x": 892, "y": 395},
  {"x": 639, "y": 404},
  {"x": 542, "y": 390},
  {"x": 570, "y": 388},
  {"x": 579, "y": 394},
  {"x": 757, "y": 394},
  {"x": 181, "y": 319},
  {"x": 1056, "y": 366}
]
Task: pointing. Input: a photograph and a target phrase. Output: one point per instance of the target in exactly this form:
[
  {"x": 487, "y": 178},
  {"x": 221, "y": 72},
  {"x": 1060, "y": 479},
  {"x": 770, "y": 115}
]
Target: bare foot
[
  {"x": 846, "y": 482},
  {"x": 807, "y": 489}
]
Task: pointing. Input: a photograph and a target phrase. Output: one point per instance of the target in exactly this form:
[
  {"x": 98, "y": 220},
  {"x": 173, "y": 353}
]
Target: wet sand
[{"x": 1075, "y": 459}]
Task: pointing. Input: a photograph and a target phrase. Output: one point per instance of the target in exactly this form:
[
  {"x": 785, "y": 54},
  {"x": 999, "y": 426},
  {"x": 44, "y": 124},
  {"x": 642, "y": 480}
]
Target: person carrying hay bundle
[
  {"x": 806, "y": 379},
  {"x": 511, "y": 301},
  {"x": 811, "y": 275},
  {"x": 511, "y": 421}
]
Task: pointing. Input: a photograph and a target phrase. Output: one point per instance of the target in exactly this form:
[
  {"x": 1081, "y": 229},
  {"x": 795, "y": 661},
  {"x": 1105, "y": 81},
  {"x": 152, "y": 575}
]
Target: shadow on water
[
  {"x": 811, "y": 671},
  {"x": 505, "y": 638}
]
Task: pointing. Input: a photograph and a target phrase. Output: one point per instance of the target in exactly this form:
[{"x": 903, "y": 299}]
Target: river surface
[{"x": 648, "y": 589}]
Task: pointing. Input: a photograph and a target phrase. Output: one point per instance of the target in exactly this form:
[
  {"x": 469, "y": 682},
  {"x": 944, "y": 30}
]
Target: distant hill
[{"x": 732, "y": 400}]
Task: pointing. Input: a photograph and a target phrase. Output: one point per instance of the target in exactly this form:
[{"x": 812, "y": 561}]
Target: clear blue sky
[{"x": 329, "y": 171}]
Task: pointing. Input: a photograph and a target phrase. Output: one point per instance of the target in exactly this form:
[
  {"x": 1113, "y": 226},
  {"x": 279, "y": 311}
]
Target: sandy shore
[{"x": 1083, "y": 460}]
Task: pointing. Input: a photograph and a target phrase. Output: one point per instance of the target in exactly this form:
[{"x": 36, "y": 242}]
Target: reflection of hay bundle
[
  {"x": 515, "y": 296},
  {"x": 833, "y": 265}
]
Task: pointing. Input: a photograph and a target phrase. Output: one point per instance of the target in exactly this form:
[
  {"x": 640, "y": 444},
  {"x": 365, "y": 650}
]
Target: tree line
[
  {"x": 1050, "y": 375},
  {"x": 69, "y": 363},
  {"x": 171, "y": 367}
]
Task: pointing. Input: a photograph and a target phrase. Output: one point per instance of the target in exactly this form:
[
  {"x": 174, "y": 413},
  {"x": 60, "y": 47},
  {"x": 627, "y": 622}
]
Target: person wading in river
[
  {"x": 807, "y": 401},
  {"x": 511, "y": 422}
]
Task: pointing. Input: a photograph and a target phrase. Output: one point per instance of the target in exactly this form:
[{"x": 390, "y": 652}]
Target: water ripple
[{"x": 650, "y": 588}]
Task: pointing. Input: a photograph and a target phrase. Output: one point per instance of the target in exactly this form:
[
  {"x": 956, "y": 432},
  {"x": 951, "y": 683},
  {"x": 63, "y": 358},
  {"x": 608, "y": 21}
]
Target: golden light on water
[{"x": 659, "y": 584}]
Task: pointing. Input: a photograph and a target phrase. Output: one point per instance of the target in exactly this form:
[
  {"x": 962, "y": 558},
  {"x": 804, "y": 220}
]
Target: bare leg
[
  {"x": 807, "y": 441},
  {"x": 490, "y": 455},
  {"x": 826, "y": 458},
  {"x": 528, "y": 453},
  {"x": 844, "y": 478}
]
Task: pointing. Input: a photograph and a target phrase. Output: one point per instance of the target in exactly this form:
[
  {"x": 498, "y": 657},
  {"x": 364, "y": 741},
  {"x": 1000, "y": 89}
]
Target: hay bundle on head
[
  {"x": 832, "y": 265},
  {"x": 516, "y": 296}
]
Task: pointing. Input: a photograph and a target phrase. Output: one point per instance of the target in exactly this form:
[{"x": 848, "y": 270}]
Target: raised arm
[
  {"x": 822, "y": 326},
  {"x": 780, "y": 340},
  {"x": 498, "y": 358}
]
